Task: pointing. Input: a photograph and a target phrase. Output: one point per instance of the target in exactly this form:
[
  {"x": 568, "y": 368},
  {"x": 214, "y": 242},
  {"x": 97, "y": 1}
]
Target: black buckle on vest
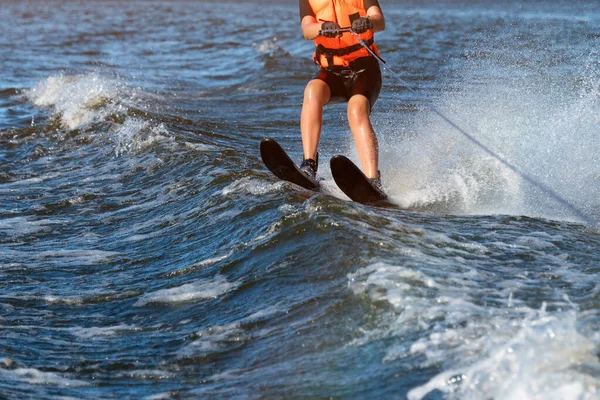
[{"x": 330, "y": 53}]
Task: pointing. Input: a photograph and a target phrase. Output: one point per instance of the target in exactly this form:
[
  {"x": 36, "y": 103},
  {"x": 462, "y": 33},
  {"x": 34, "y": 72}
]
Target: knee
[
  {"x": 358, "y": 110},
  {"x": 316, "y": 92}
]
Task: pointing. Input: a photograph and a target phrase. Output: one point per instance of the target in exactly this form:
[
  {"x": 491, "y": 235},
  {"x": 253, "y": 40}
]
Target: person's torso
[{"x": 343, "y": 12}]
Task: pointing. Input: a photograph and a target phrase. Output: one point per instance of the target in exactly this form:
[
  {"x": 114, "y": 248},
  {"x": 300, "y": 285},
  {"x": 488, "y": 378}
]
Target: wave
[
  {"x": 102, "y": 107},
  {"x": 486, "y": 343}
]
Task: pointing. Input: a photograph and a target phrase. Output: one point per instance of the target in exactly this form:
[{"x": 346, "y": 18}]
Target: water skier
[{"x": 347, "y": 73}]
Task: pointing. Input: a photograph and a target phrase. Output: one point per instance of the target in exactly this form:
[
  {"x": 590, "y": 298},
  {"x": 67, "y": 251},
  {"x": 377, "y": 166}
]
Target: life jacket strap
[{"x": 330, "y": 53}]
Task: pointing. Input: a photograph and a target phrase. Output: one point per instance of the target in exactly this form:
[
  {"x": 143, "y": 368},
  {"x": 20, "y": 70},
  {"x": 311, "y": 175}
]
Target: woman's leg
[
  {"x": 316, "y": 95},
  {"x": 364, "y": 136}
]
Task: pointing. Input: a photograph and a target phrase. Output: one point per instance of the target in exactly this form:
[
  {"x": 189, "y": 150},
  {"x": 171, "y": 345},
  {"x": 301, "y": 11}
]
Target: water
[{"x": 145, "y": 251}]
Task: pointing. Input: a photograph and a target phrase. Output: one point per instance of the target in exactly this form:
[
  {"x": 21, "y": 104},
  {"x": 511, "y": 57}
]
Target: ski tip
[{"x": 266, "y": 144}]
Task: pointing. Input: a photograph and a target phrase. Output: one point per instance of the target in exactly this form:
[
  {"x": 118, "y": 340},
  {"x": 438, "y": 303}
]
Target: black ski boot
[{"x": 310, "y": 167}]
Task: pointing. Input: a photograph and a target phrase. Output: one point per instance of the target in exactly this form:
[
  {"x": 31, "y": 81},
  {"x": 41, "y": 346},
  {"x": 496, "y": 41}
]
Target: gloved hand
[
  {"x": 361, "y": 25},
  {"x": 330, "y": 29}
]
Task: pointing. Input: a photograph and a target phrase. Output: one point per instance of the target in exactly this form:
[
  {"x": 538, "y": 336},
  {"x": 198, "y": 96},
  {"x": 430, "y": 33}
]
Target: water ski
[
  {"x": 282, "y": 166},
  {"x": 354, "y": 183}
]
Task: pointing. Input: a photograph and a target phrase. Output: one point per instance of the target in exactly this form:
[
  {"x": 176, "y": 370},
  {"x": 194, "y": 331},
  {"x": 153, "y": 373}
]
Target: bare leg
[
  {"x": 364, "y": 136},
  {"x": 316, "y": 95}
]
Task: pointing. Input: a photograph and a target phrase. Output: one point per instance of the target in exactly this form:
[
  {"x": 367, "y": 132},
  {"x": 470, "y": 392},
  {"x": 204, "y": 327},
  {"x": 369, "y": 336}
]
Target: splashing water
[
  {"x": 91, "y": 100},
  {"x": 76, "y": 99},
  {"x": 544, "y": 123}
]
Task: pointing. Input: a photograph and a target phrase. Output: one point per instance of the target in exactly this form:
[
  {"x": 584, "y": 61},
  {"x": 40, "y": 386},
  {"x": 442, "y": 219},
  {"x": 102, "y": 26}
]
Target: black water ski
[
  {"x": 282, "y": 166},
  {"x": 354, "y": 183}
]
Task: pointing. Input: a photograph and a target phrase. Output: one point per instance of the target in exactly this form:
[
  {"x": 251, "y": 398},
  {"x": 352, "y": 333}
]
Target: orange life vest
[{"x": 340, "y": 51}]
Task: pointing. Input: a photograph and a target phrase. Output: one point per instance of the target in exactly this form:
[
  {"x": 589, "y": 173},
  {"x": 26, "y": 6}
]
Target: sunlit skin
[{"x": 317, "y": 94}]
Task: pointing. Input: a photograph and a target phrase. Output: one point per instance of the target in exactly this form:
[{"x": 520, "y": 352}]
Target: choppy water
[{"x": 145, "y": 252}]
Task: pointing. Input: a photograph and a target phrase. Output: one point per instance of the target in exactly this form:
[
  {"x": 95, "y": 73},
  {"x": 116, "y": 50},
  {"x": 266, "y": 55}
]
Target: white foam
[
  {"x": 485, "y": 347},
  {"x": 149, "y": 374},
  {"x": 37, "y": 377},
  {"x": 76, "y": 99},
  {"x": 212, "y": 340},
  {"x": 135, "y": 135},
  {"x": 21, "y": 226},
  {"x": 534, "y": 243},
  {"x": 264, "y": 314},
  {"x": 268, "y": 46},
  {"x": 139, "y": 238},
  {"x": 252, "y": 186},
  {"x": 542, "y": 360},
  {"x": 78, "y": 256},
  {"x": 202, "y": 264},
  {"x": 212, "y": 260},
  {"x": 95, "y": 332},
  {"x": 200, "y": 146},
  {"x": 389, "y": 283},
  {"x": 79, "y": 100},
  {"x": 195, "y": 291}
]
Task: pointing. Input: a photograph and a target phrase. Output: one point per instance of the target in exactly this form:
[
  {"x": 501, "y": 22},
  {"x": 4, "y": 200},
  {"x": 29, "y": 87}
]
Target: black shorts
[{"x": 363, "y": 76}]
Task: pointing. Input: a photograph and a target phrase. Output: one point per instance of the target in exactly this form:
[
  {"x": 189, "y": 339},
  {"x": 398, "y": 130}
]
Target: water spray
[{"x": 527, "y": 177}]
